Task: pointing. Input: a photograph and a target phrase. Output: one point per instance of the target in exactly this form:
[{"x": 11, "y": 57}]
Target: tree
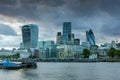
[
  {"x": 17, "y": 55},
  {"x": 117, "y": 54},
  {"x": 111, "y": 52},
  {"x": 86, "y": 53}
]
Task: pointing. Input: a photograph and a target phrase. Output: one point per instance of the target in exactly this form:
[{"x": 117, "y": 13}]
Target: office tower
[
  {"x": 87, "y": 35},
  {"x": 72, "y": 39},
  {"x": 49, "y": 43},
  {"x": 47, "y": 49},
  {"x": 90, "y": 37},
  {"x": 30, "y": 36},
  {"x": 21, "y": 45},
  {"x": 113, "y": 44},
  {"x": 59, "y": 38},
  {"x": 66, "y": 38},
  {"x": 76, "y": 41},
  {"x": 44, "y": 44},
  {"x": 85, "y": 44}
]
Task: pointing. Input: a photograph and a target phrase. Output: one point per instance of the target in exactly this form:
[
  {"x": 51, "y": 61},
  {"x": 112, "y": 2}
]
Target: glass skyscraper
[
  {"x": 59, "y": 38},
  {"x": 30, "y": 36},
  {"x": 90, "y": 37},
  {"x": 66, "y": 37}
]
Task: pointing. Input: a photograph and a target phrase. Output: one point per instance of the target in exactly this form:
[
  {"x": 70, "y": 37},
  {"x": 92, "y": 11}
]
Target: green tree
[
  {"x": 16, "y": 56},
  {"x": 111, "y": 52},
  {"x": 117, "y": 54},
  {"x": 86, "y": 53}
]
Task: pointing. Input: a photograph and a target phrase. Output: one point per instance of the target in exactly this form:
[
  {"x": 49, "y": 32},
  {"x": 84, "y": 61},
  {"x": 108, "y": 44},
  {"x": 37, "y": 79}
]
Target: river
[{"x": 65, "y": 71}]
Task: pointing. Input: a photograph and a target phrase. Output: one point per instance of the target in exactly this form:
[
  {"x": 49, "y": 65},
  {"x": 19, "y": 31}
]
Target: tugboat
[{"x": 28, "y": 63}]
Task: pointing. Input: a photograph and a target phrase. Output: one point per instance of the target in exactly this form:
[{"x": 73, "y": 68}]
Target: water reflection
[
  {"x": 65, "y": 71},
  {"x": 29, "y": 74}
]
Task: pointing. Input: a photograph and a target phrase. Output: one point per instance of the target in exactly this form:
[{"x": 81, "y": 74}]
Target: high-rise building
[
  {"x": 113, "y": 44},
  {"x": 76, "y": 41},
  {"x": 85, "y": 44},
  {"x": 47, "y": 49},
  {"x": 21, "y": 45},
  {"x": 90, "y": 37},
  {"x": 30, "y": 36},
  {"x": 87, "y": 34},
  {"x": 66, "y": 38},
  {"x": 49, "y": 43},
  {"x": 43, "y": 44},
  {"x": 72, "y": 39},
  {"x": 59, "y": 38}
]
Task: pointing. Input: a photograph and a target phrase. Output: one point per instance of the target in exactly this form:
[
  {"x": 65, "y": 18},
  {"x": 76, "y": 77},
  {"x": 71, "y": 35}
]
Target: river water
[{"x": 65, "y": 71}]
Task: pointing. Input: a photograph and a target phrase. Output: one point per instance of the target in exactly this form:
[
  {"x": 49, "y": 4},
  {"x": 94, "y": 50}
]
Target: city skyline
[{"x": 49, "y": 15}]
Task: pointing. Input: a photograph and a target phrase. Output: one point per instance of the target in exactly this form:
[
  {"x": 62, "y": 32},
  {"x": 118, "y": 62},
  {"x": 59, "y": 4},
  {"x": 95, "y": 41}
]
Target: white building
[
  {"x": 103, "y": 49},
  {"x": 93, "y": 56}
]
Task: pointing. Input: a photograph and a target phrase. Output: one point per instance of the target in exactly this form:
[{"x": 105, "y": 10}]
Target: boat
[
  {"x": 29, "y": 65},
  {"x": 13, "y": 66},
  {"x": 9, "y": 65},
  {"x": 1, "y": 65},
  {"x": 0, "y": 60}
]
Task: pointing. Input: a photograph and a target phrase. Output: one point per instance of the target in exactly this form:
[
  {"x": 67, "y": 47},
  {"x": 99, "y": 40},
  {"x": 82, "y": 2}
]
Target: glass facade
[
  {"x": 30, "y": 36},
  {"x": 59, "y": 38},
  {"x": 90, "y": 37},
  {"x": 66, "y": 33},
  {"x": 47, "y": 49},
  {"x": 76, "y": 41},
  {"x": 42, "y": 44}
]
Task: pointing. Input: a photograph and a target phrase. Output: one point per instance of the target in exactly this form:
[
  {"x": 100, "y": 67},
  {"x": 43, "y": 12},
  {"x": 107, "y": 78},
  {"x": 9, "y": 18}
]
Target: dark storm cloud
[
  {"x": 111, "y": 6},
  {"x": 54, "y": 3},
  {"x": 7, "y": 30},
  {"x": 112, "y": 29},
  {"x": 8, "y": 2},
  {"x": 89, "y": 7},
  {"x": 84, "y": 14},
  {"x": 27, "y": 8},
  {"x": 79, "y": 7}
]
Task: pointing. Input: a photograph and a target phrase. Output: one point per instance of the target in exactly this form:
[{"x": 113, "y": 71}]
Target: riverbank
[
  {"x": 78, "y": 60},
  {"x": 72, "y": 60}
]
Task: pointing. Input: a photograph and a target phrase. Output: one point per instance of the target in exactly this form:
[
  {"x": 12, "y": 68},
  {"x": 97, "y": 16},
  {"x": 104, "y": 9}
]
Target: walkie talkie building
[{"x": 30, "y": 36}]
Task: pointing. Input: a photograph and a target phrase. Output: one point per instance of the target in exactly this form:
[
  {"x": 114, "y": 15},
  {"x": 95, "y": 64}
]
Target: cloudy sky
[{"x": 102, "y": 16}]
